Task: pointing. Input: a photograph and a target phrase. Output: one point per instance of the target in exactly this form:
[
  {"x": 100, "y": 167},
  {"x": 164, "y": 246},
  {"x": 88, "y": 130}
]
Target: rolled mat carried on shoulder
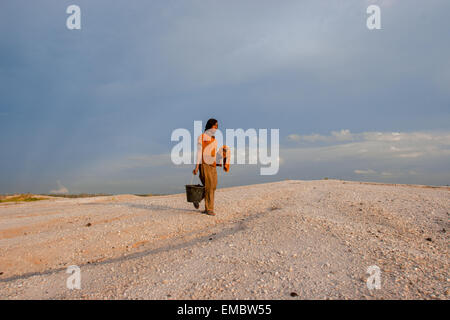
[{"x": 226, "y": 154}]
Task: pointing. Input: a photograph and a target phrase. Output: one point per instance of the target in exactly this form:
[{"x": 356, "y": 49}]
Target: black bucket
[{"x": 195, "y": 193}]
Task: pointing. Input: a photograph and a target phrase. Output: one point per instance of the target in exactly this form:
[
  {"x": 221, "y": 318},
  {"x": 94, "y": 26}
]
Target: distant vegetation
[
  {"x": 20, "y": 198},
  {"x": 89, "y": 195},
  {"x": 80, "y": 195},
  {"x": 28, "y": 197}
]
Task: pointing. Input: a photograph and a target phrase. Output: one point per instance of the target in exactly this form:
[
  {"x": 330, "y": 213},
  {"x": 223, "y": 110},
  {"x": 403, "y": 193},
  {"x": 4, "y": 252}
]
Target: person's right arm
[{"x": 199, "y": 155}]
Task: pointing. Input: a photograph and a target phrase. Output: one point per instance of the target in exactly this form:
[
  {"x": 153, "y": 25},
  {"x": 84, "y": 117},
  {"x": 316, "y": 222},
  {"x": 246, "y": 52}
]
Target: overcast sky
[{"x": 92, "y": 110}]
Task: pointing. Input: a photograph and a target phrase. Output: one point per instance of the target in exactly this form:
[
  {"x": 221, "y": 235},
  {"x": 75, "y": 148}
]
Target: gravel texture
[{"x": 284, "y": 240}]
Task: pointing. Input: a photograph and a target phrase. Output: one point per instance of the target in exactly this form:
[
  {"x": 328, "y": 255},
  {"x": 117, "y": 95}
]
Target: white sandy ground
[{"x": 312, "y": 238}]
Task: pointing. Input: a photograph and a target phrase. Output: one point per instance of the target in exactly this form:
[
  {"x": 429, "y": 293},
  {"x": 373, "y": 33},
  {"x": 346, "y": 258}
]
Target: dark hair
[{"x": 210, "y": 124}]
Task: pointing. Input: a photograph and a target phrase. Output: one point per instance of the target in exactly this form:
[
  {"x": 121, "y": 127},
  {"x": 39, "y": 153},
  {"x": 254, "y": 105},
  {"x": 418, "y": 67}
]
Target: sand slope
[{"x": 312, "y": 238}]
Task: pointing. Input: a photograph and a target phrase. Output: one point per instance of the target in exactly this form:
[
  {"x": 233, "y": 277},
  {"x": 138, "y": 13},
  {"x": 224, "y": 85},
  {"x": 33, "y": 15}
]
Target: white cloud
[
  {"x": 343, "y": 135},
  {"x": 410, "y": 155},
  {"x": 394, "y": 157},
  {"x": 294, "y": 137},
  {"x": 370, "y": 171},
  {"x": 61, "y": 189},
  {"x": 403, "y": 157},
  {"x": 441, "y": 138}
]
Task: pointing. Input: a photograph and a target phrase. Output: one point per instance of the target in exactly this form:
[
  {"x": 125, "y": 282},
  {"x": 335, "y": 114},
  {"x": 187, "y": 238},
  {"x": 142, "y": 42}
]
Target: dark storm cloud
[{"x": 71, "y": 100}]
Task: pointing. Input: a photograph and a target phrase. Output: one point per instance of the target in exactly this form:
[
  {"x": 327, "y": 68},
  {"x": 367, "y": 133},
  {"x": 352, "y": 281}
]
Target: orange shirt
[
  {"x": 207, "y": 153},
  {"x": 225, "y": 154}
]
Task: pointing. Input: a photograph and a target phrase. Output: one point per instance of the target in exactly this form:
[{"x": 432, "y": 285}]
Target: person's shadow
[{"x": 156, "y": 207}]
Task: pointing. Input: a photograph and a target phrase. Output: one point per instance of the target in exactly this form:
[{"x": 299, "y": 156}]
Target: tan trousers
[{"x": 208, "y": 176}]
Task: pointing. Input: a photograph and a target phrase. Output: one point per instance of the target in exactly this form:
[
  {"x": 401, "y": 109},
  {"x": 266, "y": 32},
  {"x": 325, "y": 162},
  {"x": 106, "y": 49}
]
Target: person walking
[{"x": 206, "y": 163}]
